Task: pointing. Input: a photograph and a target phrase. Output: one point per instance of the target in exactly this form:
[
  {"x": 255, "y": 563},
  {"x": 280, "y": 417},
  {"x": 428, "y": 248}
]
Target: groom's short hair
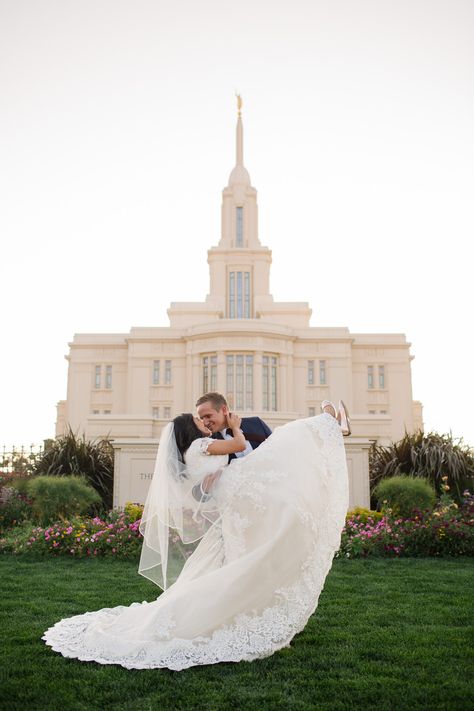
[{"x": 216, "y": 399}]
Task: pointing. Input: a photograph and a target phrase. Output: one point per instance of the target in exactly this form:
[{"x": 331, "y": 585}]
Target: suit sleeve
[{"x": 265, "y": 428}]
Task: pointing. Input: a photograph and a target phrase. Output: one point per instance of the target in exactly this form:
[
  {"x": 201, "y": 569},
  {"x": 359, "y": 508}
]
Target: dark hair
[
  {"x": 216, "y": 399},
  {"x": 185, "y": 432}
]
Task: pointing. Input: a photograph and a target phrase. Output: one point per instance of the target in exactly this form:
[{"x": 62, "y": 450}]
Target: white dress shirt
[{"x": 248, "y": 446}]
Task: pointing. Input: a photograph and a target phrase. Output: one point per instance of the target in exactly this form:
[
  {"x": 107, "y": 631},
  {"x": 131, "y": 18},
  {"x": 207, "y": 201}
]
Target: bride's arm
[{"x": 229, "y": 446}]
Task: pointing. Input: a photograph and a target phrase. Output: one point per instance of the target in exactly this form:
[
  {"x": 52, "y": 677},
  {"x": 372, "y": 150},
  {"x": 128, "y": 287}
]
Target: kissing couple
[{"x": 240, "y": 527}]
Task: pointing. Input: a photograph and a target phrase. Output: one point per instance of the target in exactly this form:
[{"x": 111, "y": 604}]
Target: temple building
[{"x": 263, "y": 355}]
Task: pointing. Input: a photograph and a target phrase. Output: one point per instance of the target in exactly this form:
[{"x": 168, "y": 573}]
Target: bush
[
  {"x": 14, "y": 508},
  {"x": 364, "y": 515},
  {"x": 133, "y": 511},
  {"x": 428, "y": 456},
  {"x": 60, "y": 497},
  {"x": 20, "y": 483},
  {"x": 73, "y": 455},
  {"x": 403, "y": 494}
]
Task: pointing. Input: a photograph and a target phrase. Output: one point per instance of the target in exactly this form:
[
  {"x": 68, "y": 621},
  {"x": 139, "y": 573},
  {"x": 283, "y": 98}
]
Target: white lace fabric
[{"x": 255, "y": 577}]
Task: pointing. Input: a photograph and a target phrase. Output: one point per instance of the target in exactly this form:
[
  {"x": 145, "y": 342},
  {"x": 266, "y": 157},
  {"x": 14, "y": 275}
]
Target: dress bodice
[{"x": 200, "y": 462}]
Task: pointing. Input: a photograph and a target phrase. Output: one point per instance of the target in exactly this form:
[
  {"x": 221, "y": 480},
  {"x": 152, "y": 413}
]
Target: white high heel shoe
[
  {"x": 344, "y": 420},
  {"x": 328, "y": 403}
]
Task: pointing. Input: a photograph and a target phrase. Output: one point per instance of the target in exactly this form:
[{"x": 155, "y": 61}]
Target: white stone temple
[{"x": 264, "y": 356}]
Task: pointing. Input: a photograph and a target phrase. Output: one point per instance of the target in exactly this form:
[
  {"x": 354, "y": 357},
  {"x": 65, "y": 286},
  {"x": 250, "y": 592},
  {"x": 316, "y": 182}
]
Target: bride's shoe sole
[{"x": 345, "y": 421}]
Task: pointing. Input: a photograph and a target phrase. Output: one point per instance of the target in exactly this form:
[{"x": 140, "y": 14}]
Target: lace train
[{"x": 269, "y": 577}]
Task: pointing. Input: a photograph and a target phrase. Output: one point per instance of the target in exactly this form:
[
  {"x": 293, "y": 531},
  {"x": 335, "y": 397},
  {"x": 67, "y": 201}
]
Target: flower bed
[
  {"x": 80, "y": 538},
  {"x": 449, "y": 530}
]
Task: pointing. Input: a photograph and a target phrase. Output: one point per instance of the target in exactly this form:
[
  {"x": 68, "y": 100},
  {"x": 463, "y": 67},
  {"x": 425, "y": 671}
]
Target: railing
[{"x": 19, "y": 460}]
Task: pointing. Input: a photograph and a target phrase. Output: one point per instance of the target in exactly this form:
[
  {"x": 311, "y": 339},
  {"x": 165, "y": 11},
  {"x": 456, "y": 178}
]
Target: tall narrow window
[
  {"x": 381, "y": 376},
  {"x": 205, "y": 374},
  {"x": 156, "y": 372},
  {"x": 239, "y": 232},
  {"x": 269, "y": 383},
  {"x": 322, "y": 372},
  {"x": 246, "y": 294},
  {"x": 156, "y": 413},
  {"x": 370, "y": 376},
  {"x": 249, "y": 382},
  {"x": 213, "y": 374},
  {"x": 230, "y": 380},
  {"x": 107, "y": 412},
  {"x": 239, "y": 381},
  {"x": 97, "y": 370},
  {"x": 167, "y": 413},
  {"x": 209, "y": 374},
  {"x": 167, "y": 372},
  {"x": 232, "y": 295},
  {"x": 108, "y": 376},
  {"x": 311, "y": 372},
  {"x": 311, "y": 411},
  {"x": 95, "y": 412},
  {"x": 239, "y": 295}
]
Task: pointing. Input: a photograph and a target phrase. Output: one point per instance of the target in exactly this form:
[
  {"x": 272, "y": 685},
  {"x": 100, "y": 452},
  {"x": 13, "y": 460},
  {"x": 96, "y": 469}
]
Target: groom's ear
[{"x": 225, "y": 410}]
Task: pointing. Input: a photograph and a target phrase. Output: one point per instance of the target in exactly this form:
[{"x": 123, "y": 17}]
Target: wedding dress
[{"x": 256, "y": 575}]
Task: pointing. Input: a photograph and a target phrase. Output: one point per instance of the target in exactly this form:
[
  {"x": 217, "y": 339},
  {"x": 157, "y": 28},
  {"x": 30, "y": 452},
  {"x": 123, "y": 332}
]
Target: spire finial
[{"x": 240, "y": 137}]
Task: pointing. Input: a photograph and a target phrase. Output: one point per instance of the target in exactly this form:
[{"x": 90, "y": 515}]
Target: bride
[{"x": 242, "y": 568}]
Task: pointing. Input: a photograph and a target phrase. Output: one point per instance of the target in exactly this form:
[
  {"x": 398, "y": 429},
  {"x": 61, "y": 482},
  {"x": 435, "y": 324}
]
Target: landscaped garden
[{"x": 391, "y": 630}]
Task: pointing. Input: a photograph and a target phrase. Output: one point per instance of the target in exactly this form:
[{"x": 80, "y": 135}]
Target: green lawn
[{"x": 388, "y": 634}]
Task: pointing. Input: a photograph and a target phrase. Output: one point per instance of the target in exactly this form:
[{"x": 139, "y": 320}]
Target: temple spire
[
  {"x": 239, "y": 175},
  {"x": 240, "y": 132}
]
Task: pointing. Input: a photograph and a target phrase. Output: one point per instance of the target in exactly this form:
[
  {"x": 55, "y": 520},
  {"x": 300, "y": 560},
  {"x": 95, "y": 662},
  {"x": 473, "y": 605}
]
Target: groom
[{"x": 212, "y": 409}]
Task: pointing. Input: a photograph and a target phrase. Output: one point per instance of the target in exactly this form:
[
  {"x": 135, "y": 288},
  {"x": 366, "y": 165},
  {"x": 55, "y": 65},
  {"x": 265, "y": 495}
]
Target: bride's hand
[{"x": 233, "y": 421}]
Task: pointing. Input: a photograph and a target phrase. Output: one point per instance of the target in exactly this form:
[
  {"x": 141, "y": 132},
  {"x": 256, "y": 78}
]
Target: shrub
[
  {"x": 364, "y": 515},
  {"x": 14, "y": 507},
  {"x": 21, "y": 484},
  {"x": 59, "y": 497},
  {"x": 73, "y": 455},
  {"x": 429, "y": 456},
  {"x": 133, "y": 511},
  {"x": 403, "y": 494}
]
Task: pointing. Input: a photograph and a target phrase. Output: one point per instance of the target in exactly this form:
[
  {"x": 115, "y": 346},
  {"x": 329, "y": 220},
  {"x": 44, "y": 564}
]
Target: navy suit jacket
[{"x": 255, "y": 431}]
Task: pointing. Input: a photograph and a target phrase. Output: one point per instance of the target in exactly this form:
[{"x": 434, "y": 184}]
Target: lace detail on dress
[
  {"x": 283, "y": 512},
  {"x": 233, "y": 533},
  {"x": 204, "y": 444},
  {"x": 248, "y": 637},
  {"x": 164, "y": 624}
]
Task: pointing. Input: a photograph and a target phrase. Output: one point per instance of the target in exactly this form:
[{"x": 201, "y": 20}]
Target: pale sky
[{"x": 117, "y": 126}]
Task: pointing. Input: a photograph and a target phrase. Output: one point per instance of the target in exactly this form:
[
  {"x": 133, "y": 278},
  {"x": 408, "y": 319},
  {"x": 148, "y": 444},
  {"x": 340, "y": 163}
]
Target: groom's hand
[{"x": 209, "y": 481}]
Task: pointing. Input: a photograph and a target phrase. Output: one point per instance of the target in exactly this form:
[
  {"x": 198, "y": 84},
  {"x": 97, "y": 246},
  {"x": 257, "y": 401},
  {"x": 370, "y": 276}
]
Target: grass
[{"x": 387, "y": 634}]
